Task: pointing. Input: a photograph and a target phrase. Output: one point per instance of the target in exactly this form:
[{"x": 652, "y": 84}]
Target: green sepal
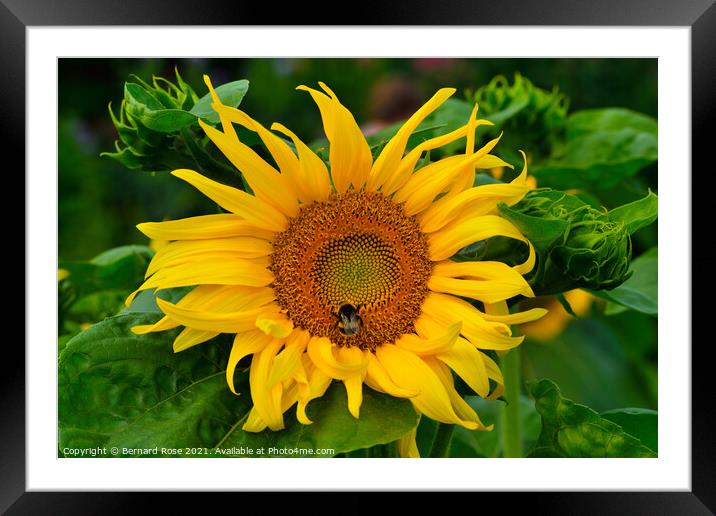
[{"x": 637, "y": 214}]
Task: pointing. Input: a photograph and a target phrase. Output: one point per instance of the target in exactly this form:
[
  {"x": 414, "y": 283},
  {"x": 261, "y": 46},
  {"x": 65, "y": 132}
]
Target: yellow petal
[
  {"x": 423, "y": 186},
  {"x": 254, "y": 423},
  {"x": 349, "y": 155},
  {"x": 467, "y": 362},
  {"x": 267, "y": 401},
  {"x": 226, "y": 322},
  {"x": 190, "y": 337},
  {"x": 322, "y": 352},
  {"x": 354, "y": 390},
  {"x": 392, "y": 153},
  {"x": 407, "y": 164},
  {"x": 518, "y": 317},
  {"x": 281, "y": 153},
  {"x": 250, "y": 208},
  {"x": 274, "y": 323},
  {"x": 494, "y": 373},
  {"x": 479, "y": 200},
  {"x": 486, "y": 281},
  {"x": 264, "y": 180},
  {"x": 466, "y": 178},
  {"x": 434, "y": 171},
  {"x": 378, "y": 379},
  {"x": 462, "y": 409},
  {"x": 483, "y": 290},
  {"x": 246, "y": 343},
  {"x": 314, "y": 174},
  {"x": 318, "y": 384},
  {"x": 440, "y": 344},
  {"x": 215, "y": 271},
  {"x": 208, "y": 297},
  {"x": 480, "y": 332},
  {"x": 223, "y": 225},
  {"x": 216, "y": 101},
  {"x": 407, "y": 447},
  {"x": 411, "y": 372},
  {"x": 163, "y": 324},
  {"x": 300, "y": 374},
  {"x": 289, "y": 359},
  {"x": 289, "y": 396},
  {"x": 464, "y": 232},
  {"x": 180, "y": 252}
]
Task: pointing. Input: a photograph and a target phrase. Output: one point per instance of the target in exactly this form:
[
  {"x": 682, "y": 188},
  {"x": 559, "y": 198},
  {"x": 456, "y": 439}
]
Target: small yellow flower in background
[
  {"x": 497, "y": 172},
  {"x": 557, "y": 318},
  {"x": 62, "y": 274},
  {"x": 345, "y": 274}
]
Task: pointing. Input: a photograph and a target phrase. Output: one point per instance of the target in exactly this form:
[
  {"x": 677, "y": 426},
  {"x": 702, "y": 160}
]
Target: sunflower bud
[
  {"x": 577, "y": 245},
  {"x": 149, "y": 123},
  {"x": 530, "y": 117},
  {"x": 158, "y": 127}
]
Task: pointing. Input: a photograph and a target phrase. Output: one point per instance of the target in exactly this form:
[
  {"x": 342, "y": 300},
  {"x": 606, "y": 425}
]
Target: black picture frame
[{"x": 699, "y": 15}]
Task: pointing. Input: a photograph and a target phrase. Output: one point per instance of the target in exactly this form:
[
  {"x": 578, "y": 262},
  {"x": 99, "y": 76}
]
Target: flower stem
[
  {"x": 511, "y": 424},
  {"x": 441, "y": 443}
]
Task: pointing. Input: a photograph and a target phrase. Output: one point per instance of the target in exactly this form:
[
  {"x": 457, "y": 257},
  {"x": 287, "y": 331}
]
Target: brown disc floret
[{"x": 358, "y": 249}]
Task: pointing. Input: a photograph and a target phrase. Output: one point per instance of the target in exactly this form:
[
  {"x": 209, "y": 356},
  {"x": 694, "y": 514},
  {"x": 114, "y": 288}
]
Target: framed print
[{"x": 294, "y": 258}]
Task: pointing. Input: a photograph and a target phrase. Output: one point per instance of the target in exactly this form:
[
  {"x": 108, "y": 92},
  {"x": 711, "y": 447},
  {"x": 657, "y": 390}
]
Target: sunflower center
[
  {"x": 353, "y": 269},
  {"x": 357, "y": 269}
]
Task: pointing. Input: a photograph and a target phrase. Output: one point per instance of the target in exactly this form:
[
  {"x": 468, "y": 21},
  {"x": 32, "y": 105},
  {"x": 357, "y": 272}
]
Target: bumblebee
[{"x": 349, "y": 322}]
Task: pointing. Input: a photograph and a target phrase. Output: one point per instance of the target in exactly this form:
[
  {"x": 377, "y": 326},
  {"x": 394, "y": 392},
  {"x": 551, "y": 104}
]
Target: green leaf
[
  {"x": 121, "y": 268},
  {"x": 639, "y": 422},
  {"x": 611, "y": 119},
  {"x": 98, "y": 305},
  {"x": 230, "y": 94},
  {"x": 121, "y": 389},
  {"x": 640, "y": 291},
  {"x": 383, "y": 419},
  {"x": 130, "y": 391},
  {"x": 150, "y": 112},
  {"x": 637, "y": 214},
  {"x": 573, "y": 430},
  {"x": 603, "y": 147},
  {"x": 167, "y": 120}
]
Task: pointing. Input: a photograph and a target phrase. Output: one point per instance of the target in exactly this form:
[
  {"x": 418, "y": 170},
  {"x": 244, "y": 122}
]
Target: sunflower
[{"x": 345, "y": 273}]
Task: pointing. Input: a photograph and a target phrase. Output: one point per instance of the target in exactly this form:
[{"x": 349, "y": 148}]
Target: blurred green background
[{"x": 604, "y": 361}]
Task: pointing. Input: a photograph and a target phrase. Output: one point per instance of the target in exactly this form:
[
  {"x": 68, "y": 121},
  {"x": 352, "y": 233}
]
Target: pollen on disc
[{"x": 357, "y": 248}]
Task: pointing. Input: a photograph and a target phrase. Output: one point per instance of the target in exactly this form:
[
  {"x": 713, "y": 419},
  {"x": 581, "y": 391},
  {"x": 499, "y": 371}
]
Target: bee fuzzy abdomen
[{"x": 349, "y": 322}]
